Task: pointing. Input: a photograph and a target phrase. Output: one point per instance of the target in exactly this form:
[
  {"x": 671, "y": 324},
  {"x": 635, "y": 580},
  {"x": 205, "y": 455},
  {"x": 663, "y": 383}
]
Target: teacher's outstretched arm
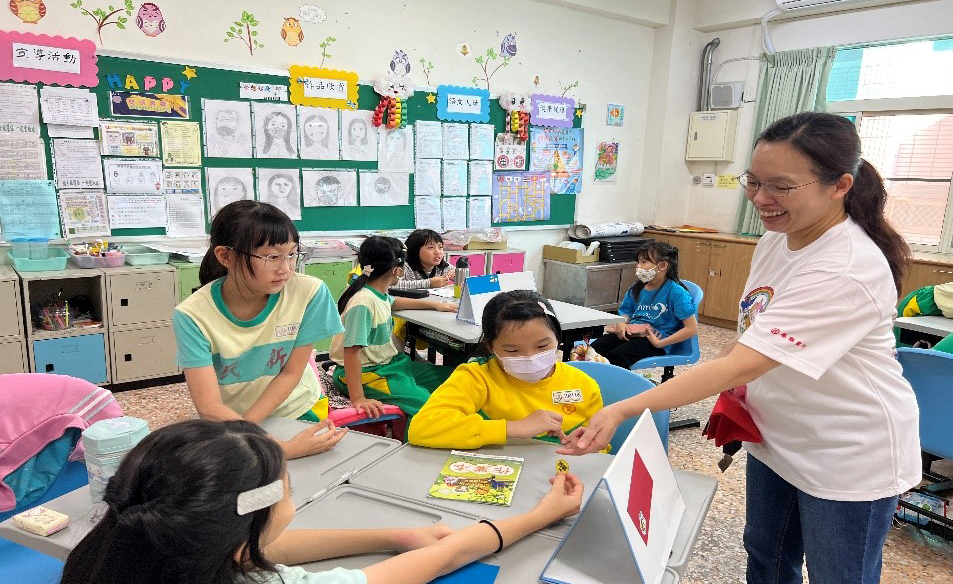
[{"x": 741, "y": 365}]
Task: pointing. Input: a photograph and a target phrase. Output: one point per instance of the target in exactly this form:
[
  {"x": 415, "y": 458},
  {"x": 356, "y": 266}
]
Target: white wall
[{"x": 610, "y": 58}]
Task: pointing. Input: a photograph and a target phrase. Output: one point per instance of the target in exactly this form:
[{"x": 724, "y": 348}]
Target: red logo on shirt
[{"x": 784, "y": 335}]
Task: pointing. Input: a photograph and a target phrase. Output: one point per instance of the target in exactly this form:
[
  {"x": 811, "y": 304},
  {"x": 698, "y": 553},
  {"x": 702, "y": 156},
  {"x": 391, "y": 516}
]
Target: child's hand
[
  {"x": 638, "y": 330},
  {"x": 445, "y": 306},
  {"x": 564, "y": 499},
  {"x": 440, "y": 281},
  {"x": 418, "y": 537},
  {"x": 654, "y": 339},
  {"x": 371, "y": 407},
  {"x": 320, "y": 437},
  {"x": 539, "y": 422}
]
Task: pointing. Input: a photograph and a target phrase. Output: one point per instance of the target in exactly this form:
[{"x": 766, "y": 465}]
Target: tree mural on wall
[
  {"x": 105, "y": 17},
  {"x": 485, "y": 62},
  {"x": 244, "y": 30}
]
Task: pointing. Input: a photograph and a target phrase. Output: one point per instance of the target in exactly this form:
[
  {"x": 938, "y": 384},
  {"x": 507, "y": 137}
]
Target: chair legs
[{"x": 668, "y": 373}]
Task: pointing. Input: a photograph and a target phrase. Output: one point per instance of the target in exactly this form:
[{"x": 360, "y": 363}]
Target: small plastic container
[
  {"x": 108, "y": 261},
  {"x": 56, "y": 260},
  {"x": 142, "y": 255},
  {"x": 34, "y": 248},
  {"x": 107, "y": 442}
]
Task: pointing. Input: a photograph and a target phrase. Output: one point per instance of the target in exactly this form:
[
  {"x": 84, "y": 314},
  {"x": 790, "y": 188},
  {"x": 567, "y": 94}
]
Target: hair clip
[
  {"x": 546, "y": 310},
  {"x": 260, "y": 497},
  {"x": 368, "y": 270}
]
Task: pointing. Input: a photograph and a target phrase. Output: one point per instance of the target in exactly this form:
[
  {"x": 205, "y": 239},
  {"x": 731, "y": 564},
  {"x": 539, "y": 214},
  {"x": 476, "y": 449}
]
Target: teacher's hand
[{"x": 596, "y": 435}]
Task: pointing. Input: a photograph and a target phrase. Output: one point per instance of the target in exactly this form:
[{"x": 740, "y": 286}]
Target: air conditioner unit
[{"x": 797, "y": 4}]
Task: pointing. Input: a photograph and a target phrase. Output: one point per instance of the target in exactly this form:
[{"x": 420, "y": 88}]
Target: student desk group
[{"x": 371, "y": 482}]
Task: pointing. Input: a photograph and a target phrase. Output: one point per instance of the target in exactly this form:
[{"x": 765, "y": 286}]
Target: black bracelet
[{"x": 498, "y": 534}]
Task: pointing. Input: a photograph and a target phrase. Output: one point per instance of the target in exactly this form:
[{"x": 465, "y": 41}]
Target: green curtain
[{"x": 789, "y": 82}]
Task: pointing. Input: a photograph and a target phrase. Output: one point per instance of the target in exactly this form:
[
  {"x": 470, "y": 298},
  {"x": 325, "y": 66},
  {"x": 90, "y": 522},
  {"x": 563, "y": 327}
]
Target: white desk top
[
  {"x": 934, "y": 325},
  {"x": 570, "y": 317}
]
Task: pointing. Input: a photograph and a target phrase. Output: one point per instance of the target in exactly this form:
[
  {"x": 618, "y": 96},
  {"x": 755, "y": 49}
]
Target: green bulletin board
[{"x": 223, "y": 84}]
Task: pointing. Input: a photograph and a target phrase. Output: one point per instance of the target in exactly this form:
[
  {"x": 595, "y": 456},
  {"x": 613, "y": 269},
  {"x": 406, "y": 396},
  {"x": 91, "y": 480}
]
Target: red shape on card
[{"x": 640, "y": 497}]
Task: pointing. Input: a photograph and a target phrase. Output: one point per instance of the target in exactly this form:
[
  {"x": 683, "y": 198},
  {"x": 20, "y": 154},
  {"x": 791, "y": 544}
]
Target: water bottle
[{"x": 461, "y": 275}]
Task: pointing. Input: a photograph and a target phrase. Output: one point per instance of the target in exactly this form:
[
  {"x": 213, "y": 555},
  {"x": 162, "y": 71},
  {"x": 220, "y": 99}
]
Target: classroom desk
[
  {"x": 458, "y": 340},
  {"x": 409, "y": 471},
  {"x": 938, "y": 326},
  {"x": 309, "y": 475},
  {"x": 355, "y": 507}
]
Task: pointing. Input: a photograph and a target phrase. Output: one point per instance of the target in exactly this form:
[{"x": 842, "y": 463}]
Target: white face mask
[
  {"x": 530, "y": 369},
  {"x": 646, "y": 276}
]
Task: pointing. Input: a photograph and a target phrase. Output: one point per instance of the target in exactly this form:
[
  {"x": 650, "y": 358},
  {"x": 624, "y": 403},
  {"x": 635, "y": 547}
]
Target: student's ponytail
[
  {"x": 377, "y": 256},
  {"x": 833, "y": 146}
]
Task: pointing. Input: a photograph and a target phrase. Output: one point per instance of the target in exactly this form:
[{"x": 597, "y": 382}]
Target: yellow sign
[
  {"x": 727, "y": 181},
  {"x": 320, "y": 87}
]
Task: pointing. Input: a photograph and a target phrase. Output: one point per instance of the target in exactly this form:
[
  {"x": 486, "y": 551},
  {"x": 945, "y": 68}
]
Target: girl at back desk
[{"x": 426, "y": 265}]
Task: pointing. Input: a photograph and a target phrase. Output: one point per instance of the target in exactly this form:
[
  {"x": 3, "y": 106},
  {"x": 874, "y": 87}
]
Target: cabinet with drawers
[{"x": 12, "y": 344}]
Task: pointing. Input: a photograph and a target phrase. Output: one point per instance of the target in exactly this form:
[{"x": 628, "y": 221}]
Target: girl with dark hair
[
  {"x": 370, "y": 369},
  {"x": 244, "y": 339},
  {"x": 209, "y": 502},
  {"x": 663, "y": 315},
  {"x": 426, "y": 265},
  {"x": 521, "y": 391},
  {"x": 838, "y": 420}
]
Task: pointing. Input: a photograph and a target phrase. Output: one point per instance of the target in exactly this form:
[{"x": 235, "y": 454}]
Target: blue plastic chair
[
  {"x": 682, "y": 353},
  {"x": 930, "y": 372},
  {"x": 617, "y": 384}
]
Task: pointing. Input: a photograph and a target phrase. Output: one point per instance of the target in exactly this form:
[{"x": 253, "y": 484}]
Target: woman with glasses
[
  {"x": 245, "y": 338},
  {"x": 839, "y": 422}
]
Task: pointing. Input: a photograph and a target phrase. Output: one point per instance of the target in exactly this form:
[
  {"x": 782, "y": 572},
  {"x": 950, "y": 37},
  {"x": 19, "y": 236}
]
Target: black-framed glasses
[
  {"x": 775, "y": 189},
  {"x": 272, "y": 260}
]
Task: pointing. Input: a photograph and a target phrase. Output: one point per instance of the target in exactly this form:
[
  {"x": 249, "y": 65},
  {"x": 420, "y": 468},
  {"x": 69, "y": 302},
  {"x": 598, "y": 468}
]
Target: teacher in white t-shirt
[{"x": 838, "y": 420}]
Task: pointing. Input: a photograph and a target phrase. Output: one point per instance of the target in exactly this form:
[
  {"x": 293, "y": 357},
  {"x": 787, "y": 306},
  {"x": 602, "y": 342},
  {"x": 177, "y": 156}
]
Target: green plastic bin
[
  {"x": 143, "y": 255},
  {"x": 56, "y": 261}
]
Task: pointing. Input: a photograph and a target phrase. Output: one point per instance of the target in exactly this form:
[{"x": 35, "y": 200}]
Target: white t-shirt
[{"x": 837, "y": 418}]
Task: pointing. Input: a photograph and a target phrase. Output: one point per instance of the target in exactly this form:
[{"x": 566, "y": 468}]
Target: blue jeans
[{"x": 843, "y": 540}]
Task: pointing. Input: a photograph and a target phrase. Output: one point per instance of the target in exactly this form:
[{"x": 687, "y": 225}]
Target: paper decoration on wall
[
  {"x": 149, "y": 19},
  {"x": 320, "y": 87},
  {"x": 558, "y": 151},
  {"x": 552, "y": 110},
  {"x": 520, "y": 196},
  {"x": 133, "y": 175},
  {"x": 276, "y": 130},
  {"x": 227, "y": 185},
  {"x": 509, "y": 156},
  {"x": 83, "y": 213},
  {"x": 318, "y": 135},
  {"x": 481, "y": 141},
  {"x": 358, "y": 137},
  {"x": 615, "y": 114},
  {"x": 454, "y": 213},
  {"x": 227, "y": 128},
  {"x": 22, "y": 153},
  {"x": 396, "y": 149},
  {"x": 282, "y": 188},
  {"x": 384, "y": 189},
  {"x": 517, "y": 107},
  {"x": 243, "y": 30},
  {"x": 607, "y": 161},
  {"x": 120, "y": 81},
  {"x": 69, "y": 106},
  {"x": 28, "y": 209},
  {"x": 454, "y": 178},
  {"x": 104, "y": 17},
  {"x": 291, "y": 31},
  {"x": 484, "y": 61},
  {"x": 38, "y": 58},
  {"x": 29, "y": 11},
  {"x": 20, "y": 104},
  {"x": 463, "y": 104},
  {"x": 137, "y": 211},
  {"x": 394, "y": 90},
  {"x": 267, "y": 91},
  {"x": 456, "y": 142},
  {"x": 329, "y": 188},
  {"x": 427, "y": 214},
  {"x": 508, "y": 46},
  {"x": 427, "y": 177},
  {"x": 481, "y": 177},
  {"x": 478, "y": 215},
  {"x": 78, "y": 164},
  {"x": 181, "y": 143},
  {"x": 186, "y": 215},
  {"x": 129, "y": 139},
  {"x": 426, "y": 67},
  {"x": 180, "y": 180},
  {"x": 312, "y": 13},
  {"x": 148, "y": 105},
  {"x": 429, "y": 139}
]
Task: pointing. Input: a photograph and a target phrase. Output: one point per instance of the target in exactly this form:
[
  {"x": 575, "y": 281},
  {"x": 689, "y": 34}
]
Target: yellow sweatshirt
[{"x": 455, "y": 415}]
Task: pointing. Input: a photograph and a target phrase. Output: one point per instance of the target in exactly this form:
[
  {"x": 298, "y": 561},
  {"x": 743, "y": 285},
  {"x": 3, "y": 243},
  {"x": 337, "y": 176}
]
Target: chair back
[
  {"x": 930, "y": 372},
  {"x": 617, "y": 384},
  {"x": 689, "y": 347}
]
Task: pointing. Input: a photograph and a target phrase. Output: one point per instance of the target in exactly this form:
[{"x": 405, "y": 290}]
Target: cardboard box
[
  {"x": 565, "y": 254},
  {"x": 476, "y": 244}
]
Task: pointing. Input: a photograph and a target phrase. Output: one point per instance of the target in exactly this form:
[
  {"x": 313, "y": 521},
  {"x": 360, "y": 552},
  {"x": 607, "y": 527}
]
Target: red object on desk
[{"x": 730, "y": 421}]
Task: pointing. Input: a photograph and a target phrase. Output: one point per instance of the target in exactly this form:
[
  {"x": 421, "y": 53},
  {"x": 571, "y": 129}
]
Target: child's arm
[
  {"x": 300, "y": 546},
  {"x": 449, "y": 419},
  {"x": 281, "y": 386},
  {"x": 355, "y": 389},
  {"x": 206, "y": 395},
  {"x": 689, "y": 329},
  {"x": 401, "y": 303}
]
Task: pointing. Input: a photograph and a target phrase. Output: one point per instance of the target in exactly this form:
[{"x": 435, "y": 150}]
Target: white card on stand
[{"x": 478, "y": 290}]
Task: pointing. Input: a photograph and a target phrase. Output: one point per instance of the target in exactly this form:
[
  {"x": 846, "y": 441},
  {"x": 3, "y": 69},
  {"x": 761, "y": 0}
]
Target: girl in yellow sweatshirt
[{"x": 521, "y": 391}]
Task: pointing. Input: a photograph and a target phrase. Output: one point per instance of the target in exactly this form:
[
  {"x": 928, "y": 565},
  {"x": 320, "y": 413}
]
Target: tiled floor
[{"x": 910, "y": 556}]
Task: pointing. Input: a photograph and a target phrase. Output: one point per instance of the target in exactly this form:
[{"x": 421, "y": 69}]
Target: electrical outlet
[
  {"x": 708, "y": 180},
  {"x": 696, "y": 180}
]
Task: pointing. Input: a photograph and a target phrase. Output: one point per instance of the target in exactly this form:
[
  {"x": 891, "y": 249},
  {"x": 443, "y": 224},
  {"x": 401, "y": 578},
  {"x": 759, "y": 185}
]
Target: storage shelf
[{"x": 42, "y": 335}]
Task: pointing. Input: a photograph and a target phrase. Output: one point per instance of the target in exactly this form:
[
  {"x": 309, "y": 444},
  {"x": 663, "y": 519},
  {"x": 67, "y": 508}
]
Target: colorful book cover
[{"x": 481, "y": 478}]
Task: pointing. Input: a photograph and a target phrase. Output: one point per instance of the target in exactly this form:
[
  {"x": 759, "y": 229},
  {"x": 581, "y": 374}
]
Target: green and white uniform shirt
[
  {"x": 248, "y": 354},
  {"x": 368, "y": 324}
]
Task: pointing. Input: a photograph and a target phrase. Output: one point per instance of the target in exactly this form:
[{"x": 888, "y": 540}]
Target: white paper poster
[
  {"x": 427, "y": 214},
  {"x": 77, "y": 164},
  {"x": 133, "y": 175},
  {"x": 456, "y": 142},
  {"x": 129, "y": 138},
  {"x": 329, "y": 188},
  {"x": 429, "y": 139},
  {"x": 481, "y": 141},
  {"x": 282, "y": 188},
  {"x": 227, "y": 128},
  {"x": 454, "y": 213},
  {"x": 358, "y": 135},
  {"x": 396, "y": 149},
  {"x": 22, "y": 156},
  {"x": 509, "y": 156},
  {"x": 384, "y": 189},
  {"x": 455, "y": 178},
  {"x": 45, "y": 58},
  {"x": 226, "y": 185},
  {"x": 83, "y": 213},
  {"x": 276, "y": 130},
  {"x": 19, "y": 103},
  {"x": 69, "y": 106},
  {"x": 427, "y": 177},
  {"x": 132, "y": 211},
  {"x": 180, "y": 180},
  {"x": 28, "y": 209},
  {"x": 481, "y": 177},
  {"x": 61, "y": 131},
  {"x": 318, "y": 133},
  {"x": 186, "y": 217},
  {"x": 262, "y": 91},
  {"x": 479, "y": 212}
]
